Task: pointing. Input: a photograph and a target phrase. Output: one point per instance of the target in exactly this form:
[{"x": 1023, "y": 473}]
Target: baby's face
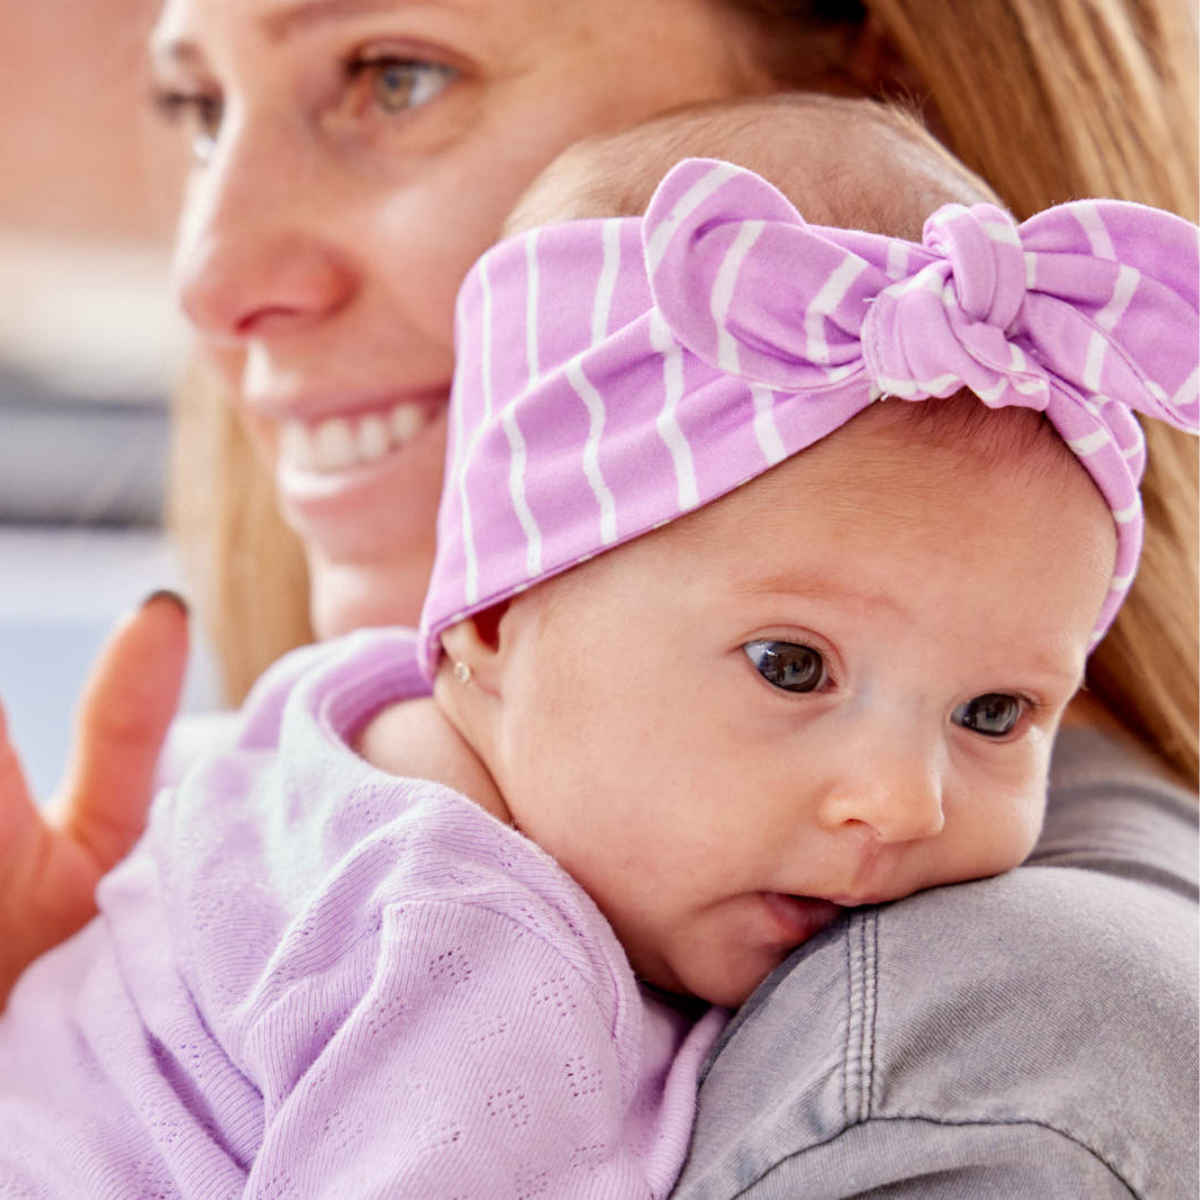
[{"x": 835, "y": 687}]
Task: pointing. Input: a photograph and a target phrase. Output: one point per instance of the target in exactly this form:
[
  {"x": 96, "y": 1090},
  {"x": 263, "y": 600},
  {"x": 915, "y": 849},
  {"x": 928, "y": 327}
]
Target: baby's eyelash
[
  {"x": 983, "y": 713},
  {"x": 1032, "y": 709},
  {"x": 789, "y": 665}
]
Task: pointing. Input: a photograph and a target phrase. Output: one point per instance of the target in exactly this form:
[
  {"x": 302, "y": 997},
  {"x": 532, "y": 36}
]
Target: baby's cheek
[
  {"x": 998, "y": 825},
  {"x": 1021, "y": 827}
]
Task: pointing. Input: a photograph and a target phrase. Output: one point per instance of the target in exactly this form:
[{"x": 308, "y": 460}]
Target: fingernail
[{"x": 167, "y": 594}]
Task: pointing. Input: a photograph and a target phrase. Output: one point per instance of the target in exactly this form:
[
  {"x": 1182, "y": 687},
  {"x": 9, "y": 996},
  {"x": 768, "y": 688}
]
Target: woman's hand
[{"x": 51, "y": 861}]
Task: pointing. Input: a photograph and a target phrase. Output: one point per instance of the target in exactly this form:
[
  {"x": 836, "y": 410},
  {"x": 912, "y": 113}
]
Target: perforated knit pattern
[{"x": 316, "y": 980}]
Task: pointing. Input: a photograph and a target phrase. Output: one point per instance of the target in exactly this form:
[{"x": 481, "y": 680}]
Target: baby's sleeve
[{"x": 461, "y": 1054}]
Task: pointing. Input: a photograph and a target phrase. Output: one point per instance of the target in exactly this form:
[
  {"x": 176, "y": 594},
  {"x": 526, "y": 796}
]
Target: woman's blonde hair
[
  {"x": 245, "y": 567},
  {"x": 1047, "y": 100}
]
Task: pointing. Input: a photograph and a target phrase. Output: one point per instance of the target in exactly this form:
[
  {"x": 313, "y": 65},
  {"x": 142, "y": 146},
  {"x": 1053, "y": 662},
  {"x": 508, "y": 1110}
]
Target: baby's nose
[{"x": 898, "y": 800}]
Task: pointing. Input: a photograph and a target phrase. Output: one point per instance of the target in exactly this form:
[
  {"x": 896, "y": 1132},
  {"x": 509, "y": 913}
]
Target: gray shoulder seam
[{"x": 942, "y": 1121}]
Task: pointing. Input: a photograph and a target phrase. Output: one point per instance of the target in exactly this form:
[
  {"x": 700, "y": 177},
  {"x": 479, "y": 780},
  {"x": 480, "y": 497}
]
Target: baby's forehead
[{"x": 894, "y": 455}]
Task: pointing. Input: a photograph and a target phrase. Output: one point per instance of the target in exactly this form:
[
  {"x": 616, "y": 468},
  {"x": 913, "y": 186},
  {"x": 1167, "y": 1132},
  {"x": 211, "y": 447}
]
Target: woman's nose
[
  {"x": 250, "y": 259},
  {"x": 898, "y": 798}
]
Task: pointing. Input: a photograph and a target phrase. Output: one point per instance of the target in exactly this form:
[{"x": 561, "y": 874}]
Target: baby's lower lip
[{"x": 799, "y": 917}]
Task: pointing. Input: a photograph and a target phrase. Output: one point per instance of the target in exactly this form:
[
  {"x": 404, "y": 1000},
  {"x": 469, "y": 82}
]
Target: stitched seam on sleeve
[
  {"x": 871, "y": 998},
  {"x": 963, "y": 1124},
  {"x": 859, "y": 1061},
  {"x": 848, "y": 1049}
]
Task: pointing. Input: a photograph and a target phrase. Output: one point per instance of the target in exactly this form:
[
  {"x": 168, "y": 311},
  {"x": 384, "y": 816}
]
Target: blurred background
[{"x": 89, "y": 347}]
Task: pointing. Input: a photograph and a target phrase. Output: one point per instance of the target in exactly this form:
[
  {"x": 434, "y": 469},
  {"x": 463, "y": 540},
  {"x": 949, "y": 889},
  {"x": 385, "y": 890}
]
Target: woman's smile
[{"x": 342, "y": 443}]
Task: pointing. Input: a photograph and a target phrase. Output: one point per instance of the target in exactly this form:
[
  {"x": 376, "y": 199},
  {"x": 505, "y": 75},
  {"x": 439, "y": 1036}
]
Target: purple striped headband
[{"x": 615, "y": 374}]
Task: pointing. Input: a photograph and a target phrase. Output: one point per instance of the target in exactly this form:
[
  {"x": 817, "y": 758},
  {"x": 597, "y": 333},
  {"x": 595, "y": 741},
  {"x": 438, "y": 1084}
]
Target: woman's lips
[
  {"x": 343, "y": 442},
  {"x": 799, "y": 917},
  {"x": 354, "y": 491}
]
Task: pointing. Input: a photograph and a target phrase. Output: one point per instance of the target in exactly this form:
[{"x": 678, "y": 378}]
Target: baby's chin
[
  {"x": 728, "y": 984},
  {"x": 728, "y": 969},
  {"x": 736, "y": 988}
]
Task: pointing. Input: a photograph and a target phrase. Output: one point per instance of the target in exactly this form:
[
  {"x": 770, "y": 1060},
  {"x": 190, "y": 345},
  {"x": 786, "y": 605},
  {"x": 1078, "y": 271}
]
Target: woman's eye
[
  {"x": 395, "y": 85},
  {"x": 788, "y": 665},
  {"x": 993, "y": 715},
  {"x": 199, "y": 115}
]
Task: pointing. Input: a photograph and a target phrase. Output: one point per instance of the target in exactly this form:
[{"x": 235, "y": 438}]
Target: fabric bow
[{"x": 1095, "y": 298}]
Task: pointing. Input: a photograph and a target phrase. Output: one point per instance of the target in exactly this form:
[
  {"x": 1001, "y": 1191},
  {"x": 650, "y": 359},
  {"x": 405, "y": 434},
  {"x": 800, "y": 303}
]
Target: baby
[{"x": 718, "y": 644}]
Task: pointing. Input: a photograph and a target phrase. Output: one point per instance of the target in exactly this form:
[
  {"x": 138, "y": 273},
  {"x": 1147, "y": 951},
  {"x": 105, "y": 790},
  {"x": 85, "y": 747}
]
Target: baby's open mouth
[{"x": 801, "y": 916}]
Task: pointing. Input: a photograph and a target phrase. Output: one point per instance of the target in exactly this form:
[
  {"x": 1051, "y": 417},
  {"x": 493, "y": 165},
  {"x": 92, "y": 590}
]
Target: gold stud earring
[{"x": 462, "y": 673}]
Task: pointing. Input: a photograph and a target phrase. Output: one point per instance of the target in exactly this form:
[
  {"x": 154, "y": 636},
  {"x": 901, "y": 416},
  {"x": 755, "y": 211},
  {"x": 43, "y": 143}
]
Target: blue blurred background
[
  {"x": 80, "y": 543},
  {"x": 89, "y": 347}
]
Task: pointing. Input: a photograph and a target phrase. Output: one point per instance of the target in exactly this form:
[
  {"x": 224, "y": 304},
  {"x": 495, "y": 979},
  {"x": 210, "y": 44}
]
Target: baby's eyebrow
[{"x": 817, "y": 587}]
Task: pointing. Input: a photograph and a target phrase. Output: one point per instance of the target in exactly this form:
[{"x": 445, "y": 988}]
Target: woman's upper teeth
[
  {"x": 374, "y": 440},
  {"x": 341, "y": 442}
]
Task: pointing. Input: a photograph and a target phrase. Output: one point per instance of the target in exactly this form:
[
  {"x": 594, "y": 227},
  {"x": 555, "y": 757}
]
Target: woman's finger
[
  {"x": 18, "y": 813},
  {"x": 123, "y": 716},
  {"x": 29, "y": 921}
]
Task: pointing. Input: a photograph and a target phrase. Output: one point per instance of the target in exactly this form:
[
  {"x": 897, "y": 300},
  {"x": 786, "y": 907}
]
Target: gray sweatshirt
[{"x": 1029, "y": 1036}]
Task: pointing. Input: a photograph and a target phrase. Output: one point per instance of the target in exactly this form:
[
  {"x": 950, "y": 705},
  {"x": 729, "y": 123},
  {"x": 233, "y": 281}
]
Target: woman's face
[{"x": 352, "y": 158}]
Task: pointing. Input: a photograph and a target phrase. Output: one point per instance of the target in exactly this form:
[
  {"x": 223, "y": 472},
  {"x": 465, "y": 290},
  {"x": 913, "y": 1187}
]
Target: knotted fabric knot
[{"x": 949, "y": 323}]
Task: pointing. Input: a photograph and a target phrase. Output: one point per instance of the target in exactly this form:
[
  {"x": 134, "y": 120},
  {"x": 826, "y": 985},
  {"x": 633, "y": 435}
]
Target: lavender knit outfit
[
  {"x": 313, "y": 979},
  {"x": 614, "y": 374}
]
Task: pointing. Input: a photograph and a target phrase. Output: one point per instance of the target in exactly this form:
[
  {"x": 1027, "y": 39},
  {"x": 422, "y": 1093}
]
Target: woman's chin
[
  {"x": 349, "y": 595},
  {"x": 368, "y": 533}
]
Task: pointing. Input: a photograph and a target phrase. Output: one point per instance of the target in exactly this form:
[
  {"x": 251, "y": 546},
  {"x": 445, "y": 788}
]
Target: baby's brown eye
[
  {"x": 790, "y": 666},
  {"x": 992, "y": 715}
]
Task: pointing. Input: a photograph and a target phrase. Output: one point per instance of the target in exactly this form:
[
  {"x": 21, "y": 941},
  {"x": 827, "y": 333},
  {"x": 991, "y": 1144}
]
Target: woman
[{"x": 353, "y": 158}]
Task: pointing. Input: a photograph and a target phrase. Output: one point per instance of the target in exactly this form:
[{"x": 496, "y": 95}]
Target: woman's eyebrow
[
  {"x": 286, "y": 21},
  {"x": 291, "y": 19}
]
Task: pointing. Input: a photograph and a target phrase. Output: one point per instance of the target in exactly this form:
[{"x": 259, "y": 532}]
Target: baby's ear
[{"x": 478, "y": 644}]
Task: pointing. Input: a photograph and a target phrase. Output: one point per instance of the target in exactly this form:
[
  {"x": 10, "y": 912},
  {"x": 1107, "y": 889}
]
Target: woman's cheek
[{"x": 423, "y": 273}]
